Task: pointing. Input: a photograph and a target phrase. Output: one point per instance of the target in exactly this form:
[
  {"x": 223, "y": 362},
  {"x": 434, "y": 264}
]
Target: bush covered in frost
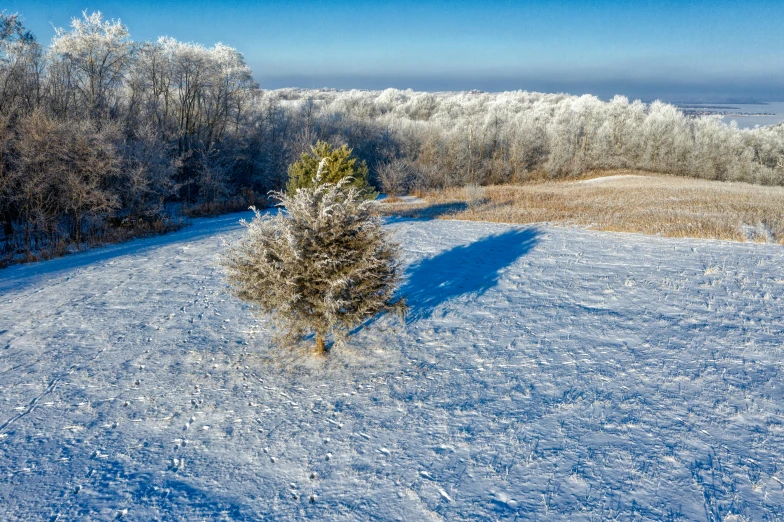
[{"x": 321, "y": 265}]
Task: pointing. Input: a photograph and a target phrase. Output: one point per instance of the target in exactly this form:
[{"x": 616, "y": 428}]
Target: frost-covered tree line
[
  {"x": 99, "y": 133},
  {"x": 432, "y": 140},
  {"x": 102, "y": 137}
]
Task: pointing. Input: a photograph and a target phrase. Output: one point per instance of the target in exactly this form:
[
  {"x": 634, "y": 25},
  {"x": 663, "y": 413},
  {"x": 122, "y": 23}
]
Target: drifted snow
[{"x": 544, "y": 373}]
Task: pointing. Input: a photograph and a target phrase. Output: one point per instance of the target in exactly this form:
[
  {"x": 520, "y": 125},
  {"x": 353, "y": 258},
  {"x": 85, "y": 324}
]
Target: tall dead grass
[{"x": 624, "y": 201}]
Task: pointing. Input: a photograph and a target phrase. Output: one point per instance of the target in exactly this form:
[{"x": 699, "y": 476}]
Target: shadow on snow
[
  {"x": 469, "y": 269},
  {"x": 434, "y": 211}
]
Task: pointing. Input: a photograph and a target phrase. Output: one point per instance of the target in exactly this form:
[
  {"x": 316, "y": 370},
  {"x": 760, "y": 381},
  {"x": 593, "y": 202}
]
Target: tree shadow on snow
[
  {"x": 431, "y": 211},
  {"x": 469, "y": 269}
]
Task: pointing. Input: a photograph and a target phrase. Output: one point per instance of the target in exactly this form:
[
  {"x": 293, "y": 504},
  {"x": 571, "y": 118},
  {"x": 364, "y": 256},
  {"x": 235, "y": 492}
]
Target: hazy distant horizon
[
  {"x": 672, "y": 93},
  {"x": 689, "y": 50}
]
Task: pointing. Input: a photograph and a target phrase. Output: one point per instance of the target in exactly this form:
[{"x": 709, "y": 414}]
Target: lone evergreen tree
[
  {"x": 341, "y": 164},
  {"x": 321, "y": 265}
]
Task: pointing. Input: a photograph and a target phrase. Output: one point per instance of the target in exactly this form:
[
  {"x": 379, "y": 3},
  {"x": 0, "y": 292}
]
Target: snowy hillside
[{"x": 545, "y": 373}]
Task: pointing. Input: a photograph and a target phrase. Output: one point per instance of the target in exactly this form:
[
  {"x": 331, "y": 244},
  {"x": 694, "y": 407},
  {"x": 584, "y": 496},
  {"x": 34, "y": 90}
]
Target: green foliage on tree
[{"x": 339, "y": 164}]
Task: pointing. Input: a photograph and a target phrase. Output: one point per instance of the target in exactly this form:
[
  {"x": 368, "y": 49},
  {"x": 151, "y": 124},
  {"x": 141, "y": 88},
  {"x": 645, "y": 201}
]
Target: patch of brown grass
[{"x": 624, "y": 201}]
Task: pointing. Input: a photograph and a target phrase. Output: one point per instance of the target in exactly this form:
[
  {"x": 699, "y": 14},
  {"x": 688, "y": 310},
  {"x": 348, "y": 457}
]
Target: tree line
[
  {"x": 420, "y": 140},
  {"x": 103, "y": 138},
  {"x": 98, "y": 134}
]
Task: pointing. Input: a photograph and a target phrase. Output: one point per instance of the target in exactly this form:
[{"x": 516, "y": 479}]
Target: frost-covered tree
[
  {"x": 340, "y": 164},
  {"x": 20, "y": 67},
  {"x": 97, "y": 54},
  {"x": 321, "y": 265}
]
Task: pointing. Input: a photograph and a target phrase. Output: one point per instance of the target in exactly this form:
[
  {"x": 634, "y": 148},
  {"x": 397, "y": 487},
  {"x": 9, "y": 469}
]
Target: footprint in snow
[
  {"x": 502, "y": 498},
  {"x": 445, "y": 495}
]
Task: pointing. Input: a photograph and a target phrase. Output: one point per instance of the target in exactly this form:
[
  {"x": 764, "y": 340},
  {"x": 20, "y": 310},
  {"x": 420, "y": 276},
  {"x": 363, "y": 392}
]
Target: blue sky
[{"x": 690, "y": 50}]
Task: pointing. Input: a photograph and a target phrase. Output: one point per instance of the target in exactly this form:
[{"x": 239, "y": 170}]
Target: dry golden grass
[{"x": 624, "y": 201}]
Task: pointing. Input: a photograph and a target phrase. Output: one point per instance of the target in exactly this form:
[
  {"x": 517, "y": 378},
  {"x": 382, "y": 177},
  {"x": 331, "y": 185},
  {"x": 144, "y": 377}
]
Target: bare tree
[
  {"x": 394, "y": 177},
  {"x": 63, "y": 171}
]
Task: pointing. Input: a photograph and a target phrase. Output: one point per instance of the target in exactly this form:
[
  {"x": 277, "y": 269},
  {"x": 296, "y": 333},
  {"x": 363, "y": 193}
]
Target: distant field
[{"x": 625, "y": 201}]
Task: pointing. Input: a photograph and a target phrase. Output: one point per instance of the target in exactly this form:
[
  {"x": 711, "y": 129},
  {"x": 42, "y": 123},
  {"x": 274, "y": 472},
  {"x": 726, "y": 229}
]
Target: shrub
[
  {"x": 323, "y": 265},
  {"x": 339, "y": 165},
  {"x": 394, "y": 177},
  {"x": 474, "y": 195}
]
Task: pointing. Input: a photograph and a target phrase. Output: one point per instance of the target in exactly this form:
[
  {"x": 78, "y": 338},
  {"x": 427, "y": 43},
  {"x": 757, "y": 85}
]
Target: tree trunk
[{"x": 320, "y": 349}]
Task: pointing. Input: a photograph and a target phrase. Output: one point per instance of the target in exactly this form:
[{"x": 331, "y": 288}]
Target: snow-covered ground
[
  {"x": 604, "y": 179},
  {"x": 544, "y": 373}
]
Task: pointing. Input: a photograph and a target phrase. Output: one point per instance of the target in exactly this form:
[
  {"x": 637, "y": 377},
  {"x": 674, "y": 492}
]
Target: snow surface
[
  {"x": 545, "y": 373},
  {"x": 603, "y": 179}
]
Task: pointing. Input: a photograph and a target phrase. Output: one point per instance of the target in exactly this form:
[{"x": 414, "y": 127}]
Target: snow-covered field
[{"x": 544, "y": 373}]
